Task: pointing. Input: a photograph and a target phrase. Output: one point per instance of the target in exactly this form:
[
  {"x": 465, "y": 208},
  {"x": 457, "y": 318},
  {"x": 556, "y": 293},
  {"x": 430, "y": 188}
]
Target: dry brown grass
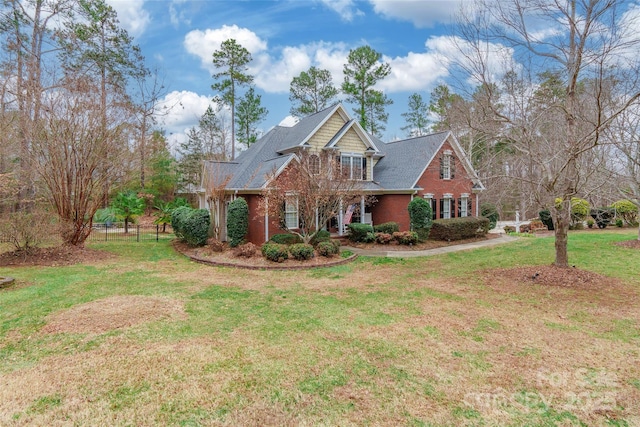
[{"x": 393, "y": 345}]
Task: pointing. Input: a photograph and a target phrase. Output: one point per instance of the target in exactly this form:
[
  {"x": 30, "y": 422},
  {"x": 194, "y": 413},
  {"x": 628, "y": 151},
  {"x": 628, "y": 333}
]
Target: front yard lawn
[{"x": 144, "y": 336}]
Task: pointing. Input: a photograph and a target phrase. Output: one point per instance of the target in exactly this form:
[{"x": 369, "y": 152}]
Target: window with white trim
[
  {"x": 447, "y": 164},
  {"x": 445, "y": 206},
  {"x": 291, "y": 212},
  {"x": 463, "y": 205},
  {"x": 314, "y": 164},
  {"x": 353, "y": 166}
]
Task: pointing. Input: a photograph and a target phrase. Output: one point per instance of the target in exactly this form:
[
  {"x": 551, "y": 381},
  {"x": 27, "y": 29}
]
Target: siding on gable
[
  {"x": 326, "y": 132},
  {"x": 351, "y": 143}
]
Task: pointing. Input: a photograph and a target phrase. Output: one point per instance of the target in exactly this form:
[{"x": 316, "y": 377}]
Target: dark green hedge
[
  {"x": 387, "y": 227},
  {"x": 545, "y": 217},
  {"x": 320, "y": 236},
  {"x": 237, "y": 221},
  {"x": 459, "y": 228},
  {"x": 301, "y": 251},
  {"x": 602, "y": 216},
  {"x": 489, "y": 210},
  {"x": 361, "y": 232},
  {"x": 191, "y": 225},
  {"x": 328, "y": 248},
  {"x": 275, "y": 252},
  {"x": 286, "y": 239}
]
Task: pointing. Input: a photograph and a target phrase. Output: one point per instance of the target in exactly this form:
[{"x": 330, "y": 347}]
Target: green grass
[{"x": 374, "y": 342}]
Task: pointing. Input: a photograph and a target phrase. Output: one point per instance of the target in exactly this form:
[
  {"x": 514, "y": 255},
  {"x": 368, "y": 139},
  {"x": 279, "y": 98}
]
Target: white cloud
[
  {"x": 132, "y": 15},
  {"x": 414, "y": 72},
  {"x": 419, "y": 12},
  {"x": 176, "y": 15},
  {"x": 203, "y": 43},
  {"x": 179, "y": 111},
  {"x": 454, "y": 51},
  {"x": 345, "y": 8}
]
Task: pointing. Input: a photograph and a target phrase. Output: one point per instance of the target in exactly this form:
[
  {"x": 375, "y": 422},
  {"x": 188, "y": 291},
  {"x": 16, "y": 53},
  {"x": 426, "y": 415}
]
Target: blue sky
[{"x": 285, "y": 38}]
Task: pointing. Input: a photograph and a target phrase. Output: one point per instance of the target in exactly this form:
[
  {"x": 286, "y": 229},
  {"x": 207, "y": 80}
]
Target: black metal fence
[{"x": 133, "y": 233}]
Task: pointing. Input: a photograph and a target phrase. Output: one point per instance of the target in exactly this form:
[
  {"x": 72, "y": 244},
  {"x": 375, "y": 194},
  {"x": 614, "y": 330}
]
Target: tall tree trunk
[{"x": 562, "y": 219}]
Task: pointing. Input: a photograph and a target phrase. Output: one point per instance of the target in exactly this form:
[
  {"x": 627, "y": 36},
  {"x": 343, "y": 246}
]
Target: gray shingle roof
[
  {"x": 401, "y": 165},
  {"x": 404, "y": 161}
]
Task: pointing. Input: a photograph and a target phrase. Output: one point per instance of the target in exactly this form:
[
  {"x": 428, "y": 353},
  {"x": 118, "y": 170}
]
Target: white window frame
[
  {"x": 446, "y": 166},
  {"x": 352, "y": 157},
  {"x": 314, "y": 164},
  {"x": 291, "y": 208},
  {"x": 464, "y": 204},
  {"x": 446, "y": 211}
]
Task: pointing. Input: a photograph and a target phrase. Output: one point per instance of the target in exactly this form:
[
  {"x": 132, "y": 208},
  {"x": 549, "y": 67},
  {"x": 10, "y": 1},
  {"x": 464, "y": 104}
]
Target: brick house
[{"x": 433, "y": 167}]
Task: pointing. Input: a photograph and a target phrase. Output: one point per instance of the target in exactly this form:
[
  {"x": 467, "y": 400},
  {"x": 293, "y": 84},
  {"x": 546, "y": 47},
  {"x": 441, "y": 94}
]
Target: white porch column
[
  {"x": 477, "y": 205},
  {"x": 362, "y": 209}
]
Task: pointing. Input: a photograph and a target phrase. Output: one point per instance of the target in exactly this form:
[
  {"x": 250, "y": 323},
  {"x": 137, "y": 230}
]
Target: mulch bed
[
  {"x": 52, "y": 257},
  {"x": 226, "y": 258},
  {"x": 429, "y": 244},
  {"x": 550, "y": 275},
  {"x": 631, "y": 244}
]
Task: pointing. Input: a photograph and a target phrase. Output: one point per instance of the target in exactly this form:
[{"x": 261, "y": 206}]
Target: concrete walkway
[{"x": 429, "y": 252}]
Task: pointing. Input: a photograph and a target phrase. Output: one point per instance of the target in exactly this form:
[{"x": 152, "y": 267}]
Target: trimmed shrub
[
  {"x": 384, "y": 238},
  {"x": 459, "y": 228},
  {"x": 420, "y": 216},
  {"x": 406, "y": 237},
  {"x": 536, "y": 224},
  {"x": 178, "y": 218},
  {"x": 320, "y": 236},
  {"x": 489, "y": 211},
  {"x": 301, "y": 251},
  {"x": 545, "y": 217},
  {"x": 191, "y": 225},
  {"x": 619, "y": 223},
  {"x": 590, "y": 223},
  {"x": 275, "y": 252},
  {"x": 509, "y": 229},
  {"x": 602, "y": 216},
  {"x": 387, "y": 228},
  {"x": 328, "y": 248},
  {"x": 579, "y": 211},
  {"x": 246, "y": 251},
  {"x": 286, "y": 239},
  {"x": 627, "y": 210},
  {"x": 359, "y": 232},
  {"x": 237, "y": 221},
  {"x": 196, "y": 227}
]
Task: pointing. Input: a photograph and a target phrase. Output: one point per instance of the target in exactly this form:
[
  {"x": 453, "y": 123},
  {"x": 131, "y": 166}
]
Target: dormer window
[{"x": 353, "y": 166}]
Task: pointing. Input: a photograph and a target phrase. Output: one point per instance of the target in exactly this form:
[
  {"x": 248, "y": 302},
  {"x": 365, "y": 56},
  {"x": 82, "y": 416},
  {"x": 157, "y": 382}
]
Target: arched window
[{"x": 314, "y": 164}]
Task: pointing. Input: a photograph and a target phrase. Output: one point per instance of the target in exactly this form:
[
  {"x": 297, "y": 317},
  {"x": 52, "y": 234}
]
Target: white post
[
  {"x": 362, "y": 209},
  {"x": 517, "y": 221}
]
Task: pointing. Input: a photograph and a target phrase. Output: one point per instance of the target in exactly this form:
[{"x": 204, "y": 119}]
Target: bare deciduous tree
[
  {"x": 315, "y": 184},
  {"x": 589, "y": 46},
  {"x": 69, "y": 153}
]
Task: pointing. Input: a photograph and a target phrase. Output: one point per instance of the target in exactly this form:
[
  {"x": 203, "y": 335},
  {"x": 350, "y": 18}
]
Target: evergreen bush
[
  {"x": 320, "y": 236},
  {"x": 489, "y": 211},
  {"x": 237, "y": 221},
  {"x": 286, "y": 239},
  {"x": 545, "y": 217},
  {"x": 627, "y": 210},
  {"x": 191, "y": 225},
  {"x": 602, "y": 216},
  {"x": 275, "y": 252},
  {"x": 459, "y": 228},
  {"x": 420, "y": 216},
  {"x": 328, "y": 248},
  {"x": 406, "y": 237},
  {"x": 359, "y": 233},
  {"x": 387, "y": 227},
  {"x": 301, "y": 251}
]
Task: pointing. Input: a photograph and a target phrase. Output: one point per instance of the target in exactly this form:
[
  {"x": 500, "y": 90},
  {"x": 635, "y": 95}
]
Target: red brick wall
[
  {"x": 432, "y": 183},
  {"x": 256, "y": 221},
  {"x": 391, "y": 207}
]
